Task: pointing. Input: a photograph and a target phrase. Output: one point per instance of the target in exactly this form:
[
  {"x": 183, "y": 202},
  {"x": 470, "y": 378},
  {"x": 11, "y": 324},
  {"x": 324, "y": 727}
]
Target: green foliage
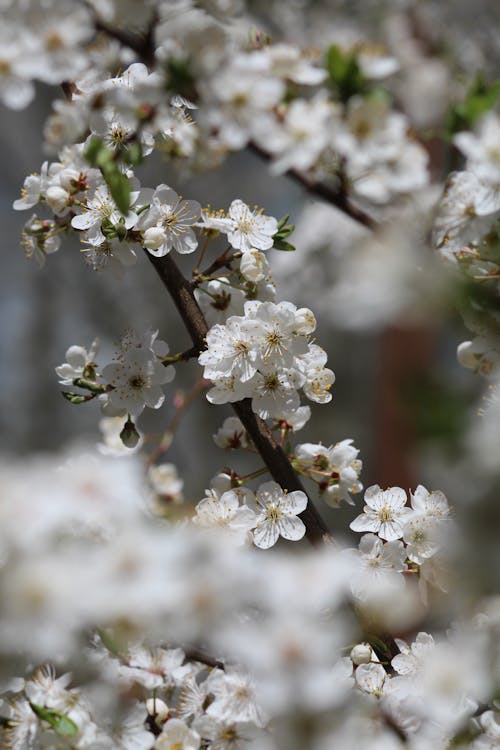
[
  {"x": 180, "y": 78},
  {"x": 59, "y": 722},
  {"x": 438, "y": 411},
  {"x": 480, "y": 98},
  {"x": 345, "y": 76},
  {"x": 284, "y": 231},
  {"x": 118, "y": 184}
]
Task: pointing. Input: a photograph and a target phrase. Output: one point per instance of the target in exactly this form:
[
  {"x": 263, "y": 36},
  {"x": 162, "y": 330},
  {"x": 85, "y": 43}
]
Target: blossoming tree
[{"x": 182, "y": 628}]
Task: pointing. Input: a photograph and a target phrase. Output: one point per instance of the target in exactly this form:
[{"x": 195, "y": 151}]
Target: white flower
[
  {"x": 287, "y": 61},
  {"x": 465, "y": 213},
  {"x": 167, "y": 223},
  {"x": 166, "y": 482},
  {"x": 408, "y": 662},
  {"x": 336, "y": 469},
  {"x": 44, "y": 689},
  {"x": 234, "y": 697},
  {"x": 371, "y": 678},
  {"x": 16, "y": 90},
  {"x": 231, "y": 350},
  {"x": 482, "y": 355},
  {"x": 275, "y": 392},
  {"x": 154, "y": 669},
  {"x": 101, "y": 207},
  {"x": 430, "y": 504},
  {"x": 384, "y": 512},
  {"x": 219, "y": 300},
  {"x": 379, "y": 565},
  {"x": 490, "y": 724},
  {"x": 136, "y": 382},
  {"x": 226, "y": 513},
  {"x": 298, "y": 139},
  {"x": 482, "y": 150},
  {"x": 251, "y": 229},
  {"x": 232, "y": 435},
  {"x": 33, "y": 189},
  {"x": 40, "y": 238},
  {"x": 278, "y": 515},
  {"x": 176, "y": 735},
  {"x": 77, "y": 359},
  {"x": 254, "y": 266},
  {"x": 421, "y": 534}
]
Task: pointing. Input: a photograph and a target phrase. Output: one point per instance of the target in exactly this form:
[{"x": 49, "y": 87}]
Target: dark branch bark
[
  {"x": 338, "y": 198},
  {"x": 273, "y": 456}
]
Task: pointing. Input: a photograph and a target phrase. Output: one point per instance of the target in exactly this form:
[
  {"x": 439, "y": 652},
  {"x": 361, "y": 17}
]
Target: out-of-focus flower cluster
[{"x": 190, "y": 638}]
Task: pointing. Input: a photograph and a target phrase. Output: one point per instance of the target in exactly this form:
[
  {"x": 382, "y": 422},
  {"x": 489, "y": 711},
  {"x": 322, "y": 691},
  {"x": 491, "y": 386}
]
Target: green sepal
[
  {"x": 90, "y": 385},
  {"x": 280, "y": 244},
  {"x": 76, "y": 398},
  {"x": 60, "y": 723}
]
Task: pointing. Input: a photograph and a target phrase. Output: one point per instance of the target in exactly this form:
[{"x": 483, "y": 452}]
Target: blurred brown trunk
[{"x": 405, "y": 356}]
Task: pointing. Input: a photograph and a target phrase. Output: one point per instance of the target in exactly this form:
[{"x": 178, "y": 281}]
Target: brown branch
[
  {"x": 196, "y": 654},
  {"x": 272, "y": 454},
  {"x": 336, "y": 197}
]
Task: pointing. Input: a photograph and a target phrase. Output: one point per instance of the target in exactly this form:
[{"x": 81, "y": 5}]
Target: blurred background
[{"x": 413, "y": 412}]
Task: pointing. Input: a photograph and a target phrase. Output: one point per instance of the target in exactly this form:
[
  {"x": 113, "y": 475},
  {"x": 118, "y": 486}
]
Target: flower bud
[
  {"x": 253, "y": 266},
  {"x": 67, "y": 177},
  {"x": 153, "y": 238},
  {"x": 129, "y": 435},
  {"x": 466, "y": 355},
  {"x": 157, "y": 708},
  {"x": 57, "y": 198},
  {"x": 361, "y": 654}
]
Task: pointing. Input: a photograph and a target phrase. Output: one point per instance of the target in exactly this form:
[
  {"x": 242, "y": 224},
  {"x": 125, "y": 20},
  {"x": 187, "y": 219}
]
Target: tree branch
[
  {"x": 272, "y": 454},
  {"x": 337, "y": 198}
]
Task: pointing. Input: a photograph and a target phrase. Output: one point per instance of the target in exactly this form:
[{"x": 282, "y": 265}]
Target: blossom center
[{"x": 386, "y": 514}]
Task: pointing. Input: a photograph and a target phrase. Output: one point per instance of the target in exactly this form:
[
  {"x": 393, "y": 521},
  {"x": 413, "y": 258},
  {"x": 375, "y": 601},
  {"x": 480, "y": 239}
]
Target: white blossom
[{"x": 277, "y": 516}]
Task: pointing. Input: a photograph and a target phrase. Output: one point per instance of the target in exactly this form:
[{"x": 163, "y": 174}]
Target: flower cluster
[
  {"x": 266, "y": 354},
  {"x": 125, "y": 386},
  {"x": 335, "y": 469},
  {"x": 400, "y": 534},
  {"x": 467, "y": 233},
  {"x": 268, "y": 514}
]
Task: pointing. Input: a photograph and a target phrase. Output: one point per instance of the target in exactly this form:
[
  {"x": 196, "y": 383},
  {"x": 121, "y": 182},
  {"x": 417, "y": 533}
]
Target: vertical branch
[{"x": 272, "y": 454}]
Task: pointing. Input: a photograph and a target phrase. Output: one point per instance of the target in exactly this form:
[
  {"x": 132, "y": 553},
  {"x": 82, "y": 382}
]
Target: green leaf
[
  {"x": 480, "y": 98},
  {"x": 118, "y": 185},
  {"x": 344, "y": 73},
  {"x": 133, "y": 154},
  {"x": 280, "y": 244},
  {"x": 282, "y": 222},
  {"x": 93, "y": 149},
  {"x": 60, "y": 723}
]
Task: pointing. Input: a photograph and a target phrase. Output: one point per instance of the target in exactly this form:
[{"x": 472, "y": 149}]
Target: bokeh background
[{"x": 400, "y": 394}]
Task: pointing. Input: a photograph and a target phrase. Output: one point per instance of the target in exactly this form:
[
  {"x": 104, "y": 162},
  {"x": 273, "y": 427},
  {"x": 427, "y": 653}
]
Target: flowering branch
[
  {"x": 336, "y": 197},
  {"x": 272, "y": 454}
]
